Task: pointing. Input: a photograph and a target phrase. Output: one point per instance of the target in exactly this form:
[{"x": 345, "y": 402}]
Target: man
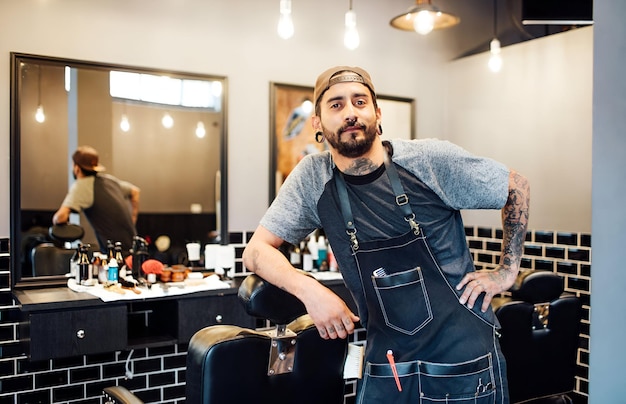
[
  {"x": 110, "y": 205},
  {"x": 391, "y": 212}
]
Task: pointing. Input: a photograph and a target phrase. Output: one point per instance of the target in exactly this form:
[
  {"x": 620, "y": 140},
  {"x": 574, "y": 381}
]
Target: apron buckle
[
  {"x": 353, "y": 241},
  {"x": 402, "y": 199},
  {"x": 414, "y": 225}
]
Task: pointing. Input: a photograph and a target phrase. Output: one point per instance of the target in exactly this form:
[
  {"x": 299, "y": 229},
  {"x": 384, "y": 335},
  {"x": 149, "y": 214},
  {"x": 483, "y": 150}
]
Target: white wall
[
  {"x": 540, "y": 103},
  {"x": 535, "y": 115},
  {"x": 236, "y": 39}
]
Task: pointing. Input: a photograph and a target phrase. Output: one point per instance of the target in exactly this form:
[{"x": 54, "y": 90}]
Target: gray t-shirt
[
  {"x": 439, "y": 178},
  {"x": 105, "y": 200},
  {"x": 80, "y": 195},
  {"x": 461, "y": 180}
]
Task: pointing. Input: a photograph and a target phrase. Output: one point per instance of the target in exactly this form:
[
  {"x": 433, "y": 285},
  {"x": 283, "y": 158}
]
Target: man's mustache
[{"x": 351, "y": 125}]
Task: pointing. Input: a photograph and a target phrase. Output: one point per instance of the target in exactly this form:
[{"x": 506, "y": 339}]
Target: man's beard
[{"x": 351, "y": 147}]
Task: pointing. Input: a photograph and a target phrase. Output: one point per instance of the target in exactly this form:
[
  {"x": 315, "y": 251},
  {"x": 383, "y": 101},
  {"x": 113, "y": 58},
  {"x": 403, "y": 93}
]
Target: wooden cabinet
[
  {"x": 57, "y": 323},
  {"x": 77, "y": 332}
]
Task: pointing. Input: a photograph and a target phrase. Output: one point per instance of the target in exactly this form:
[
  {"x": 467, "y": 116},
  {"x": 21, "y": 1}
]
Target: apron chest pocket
[{"x": 403, "y": 300}]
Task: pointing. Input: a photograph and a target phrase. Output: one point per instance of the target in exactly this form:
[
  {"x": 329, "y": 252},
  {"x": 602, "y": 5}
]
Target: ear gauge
[
  {"x": 319, "y": 137},
  {"x": 380, "y": 129}
]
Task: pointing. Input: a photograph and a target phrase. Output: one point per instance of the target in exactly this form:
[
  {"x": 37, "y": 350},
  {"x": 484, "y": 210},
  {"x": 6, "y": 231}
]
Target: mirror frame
[
  {"x": 15, "y": 148},
  {"x": 280, "y": 113}
]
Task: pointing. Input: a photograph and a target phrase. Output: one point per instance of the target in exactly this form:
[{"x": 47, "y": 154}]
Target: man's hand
[
  {"x": 329, "y": 312},
  {"x": 489, "y": 282}
]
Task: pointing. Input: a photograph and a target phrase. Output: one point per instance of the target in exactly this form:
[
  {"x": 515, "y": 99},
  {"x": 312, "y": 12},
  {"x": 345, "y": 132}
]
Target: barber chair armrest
[
  {"x": 301, "y": 323},
  {"x": 499, "y": 301},
  {"x": 120, "y": 395},
  {"x": 537, "y": 286},
  {"x": 263, "y": 300}
]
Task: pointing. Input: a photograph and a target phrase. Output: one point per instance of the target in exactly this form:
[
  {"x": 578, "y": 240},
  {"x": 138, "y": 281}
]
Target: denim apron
[{"x": 442, "y": 352}]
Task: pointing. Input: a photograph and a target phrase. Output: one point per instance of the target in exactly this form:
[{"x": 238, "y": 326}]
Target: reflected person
[
  {"x": 111, "y": 205},
  {"x": 391, "y": 211}
]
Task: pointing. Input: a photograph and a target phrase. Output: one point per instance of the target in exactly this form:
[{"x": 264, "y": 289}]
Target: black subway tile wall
[
  {"x": 159, "y": 373},
  {"x": 568, "y": 255}
]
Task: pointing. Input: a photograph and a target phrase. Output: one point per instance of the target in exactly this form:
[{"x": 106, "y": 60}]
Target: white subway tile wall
[{"x": 159, "y": 373}]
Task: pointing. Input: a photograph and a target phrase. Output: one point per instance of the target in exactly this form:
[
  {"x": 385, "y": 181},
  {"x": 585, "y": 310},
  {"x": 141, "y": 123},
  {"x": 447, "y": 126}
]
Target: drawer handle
[
  {"x": 219, "y": 318},
  {"x": 80, "y": 334}
]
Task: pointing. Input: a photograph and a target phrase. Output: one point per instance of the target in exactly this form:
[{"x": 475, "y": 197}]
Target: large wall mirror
[{"x": 163, "y": 131}]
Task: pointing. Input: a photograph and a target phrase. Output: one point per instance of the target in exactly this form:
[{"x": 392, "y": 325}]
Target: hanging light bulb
[
  {"x": 285, "y": 23},
  {"x": 424, "y": 22},
  {"x": 124, "y": 124},
  {"x": 351, "y": 38},
  {"x": 167, "y": 120},
  {"x": 495, "y": 60},
  {"x": 200, "y": 130},
  {"x": 40, "y": 116}
]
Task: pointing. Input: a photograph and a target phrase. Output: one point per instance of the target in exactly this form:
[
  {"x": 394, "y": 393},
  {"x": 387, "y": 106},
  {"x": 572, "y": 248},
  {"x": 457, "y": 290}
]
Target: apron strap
[
  {"x": 402, "y": 200},
  {"x": 346, "y": 210}
]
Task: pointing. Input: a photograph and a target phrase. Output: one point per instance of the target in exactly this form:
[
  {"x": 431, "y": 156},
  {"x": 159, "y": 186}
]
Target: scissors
[{"x": 482, "y": 388}]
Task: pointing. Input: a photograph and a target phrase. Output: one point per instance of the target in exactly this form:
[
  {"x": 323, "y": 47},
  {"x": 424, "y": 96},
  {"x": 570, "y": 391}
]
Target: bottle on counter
[
  {"x": 322, "y": 254},
  {"x": 295, "y": 256},
  {"x": 103, "y": 275},
  {"x": 312, "y": 247},
  {"x": 113, "y": 271},
  {"x": 74, "y": 272},
  {"x": 95, "y": 264},
  {"x": 119, "y": 258},
  {"x": 98, "y": 271},
  {"x": 307, "y": 257},
  {"x": 84, "y": 265},
  {"x": 110, "y": 250},
  {"x": 139, "y": 256},
  {"x": 332, "y": 261}
]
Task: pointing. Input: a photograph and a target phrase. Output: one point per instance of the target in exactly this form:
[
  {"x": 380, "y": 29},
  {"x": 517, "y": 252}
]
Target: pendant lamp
[{"x": 423, "y": 18}]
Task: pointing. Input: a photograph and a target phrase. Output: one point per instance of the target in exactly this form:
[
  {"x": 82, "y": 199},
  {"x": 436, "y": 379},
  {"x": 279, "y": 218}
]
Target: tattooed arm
[{"x": 514, "y": 224}]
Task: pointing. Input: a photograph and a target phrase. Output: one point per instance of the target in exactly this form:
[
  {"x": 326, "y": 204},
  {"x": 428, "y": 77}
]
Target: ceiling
[{"x": 476, "y": 28}]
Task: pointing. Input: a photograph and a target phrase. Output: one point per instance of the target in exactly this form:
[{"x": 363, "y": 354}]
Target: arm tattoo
[{"x": 515, "y": 221}]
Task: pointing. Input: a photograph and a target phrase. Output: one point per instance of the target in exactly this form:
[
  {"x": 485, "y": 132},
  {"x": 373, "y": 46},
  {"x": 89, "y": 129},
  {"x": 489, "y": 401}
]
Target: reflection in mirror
[{"x": 162, "y": 131}]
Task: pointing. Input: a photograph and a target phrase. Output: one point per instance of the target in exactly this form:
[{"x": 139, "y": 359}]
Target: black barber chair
[
  {"x": 52, "y": 258},
  {"x": 288, "y": 364},
  {"x": 540, "y": 338}
]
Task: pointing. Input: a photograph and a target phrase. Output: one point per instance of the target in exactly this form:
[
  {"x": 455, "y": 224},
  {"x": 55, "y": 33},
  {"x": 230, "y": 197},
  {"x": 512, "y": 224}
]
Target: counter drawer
[
  {"x": 197, "y": 313},
  {"x": 77, "y": 332}
]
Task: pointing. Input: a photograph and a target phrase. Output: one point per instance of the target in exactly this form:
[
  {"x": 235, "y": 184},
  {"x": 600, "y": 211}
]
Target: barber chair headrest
[
  {"x": 263, "y": 300},
  {"x": 537, "y": 287},
  {"x": 66, "y": 232}
]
